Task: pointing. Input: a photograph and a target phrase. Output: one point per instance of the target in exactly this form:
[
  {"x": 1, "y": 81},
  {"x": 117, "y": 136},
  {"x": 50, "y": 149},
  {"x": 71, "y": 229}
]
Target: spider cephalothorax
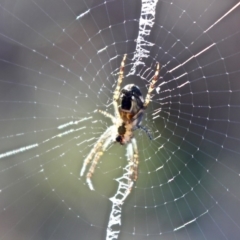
[{"x": 129, "y": 106}]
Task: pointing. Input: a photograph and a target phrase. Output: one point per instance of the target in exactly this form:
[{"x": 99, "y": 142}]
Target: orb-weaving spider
[{"x": 129, "y": 107}]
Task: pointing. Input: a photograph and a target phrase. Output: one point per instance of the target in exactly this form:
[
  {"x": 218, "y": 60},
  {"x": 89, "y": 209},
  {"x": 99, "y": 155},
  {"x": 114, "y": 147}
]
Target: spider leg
[
  {"x": 97, "y": 156},
  {"x": 132, "y": 153},
  {"x": 151, "y": 86},
  {"x": 117, "y": 89},
  {"x": 135, "y": 159},
  {"x": 106, "y": 114},
  {"x": 95, "y": 148},
  {"x": 146, "y": 130}
]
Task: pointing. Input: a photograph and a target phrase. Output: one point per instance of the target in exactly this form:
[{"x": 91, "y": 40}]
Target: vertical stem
[
  {"x": 124, "y": 189},
  {"x": 145, "y": 26}
]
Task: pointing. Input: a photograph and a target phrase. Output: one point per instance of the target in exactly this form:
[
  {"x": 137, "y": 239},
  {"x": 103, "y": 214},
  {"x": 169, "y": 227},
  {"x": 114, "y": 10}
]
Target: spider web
[{"x": 59, "y": 62}]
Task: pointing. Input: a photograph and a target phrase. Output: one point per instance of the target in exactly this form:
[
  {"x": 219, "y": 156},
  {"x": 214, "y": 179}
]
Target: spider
[{"x": 129, "y": 107}]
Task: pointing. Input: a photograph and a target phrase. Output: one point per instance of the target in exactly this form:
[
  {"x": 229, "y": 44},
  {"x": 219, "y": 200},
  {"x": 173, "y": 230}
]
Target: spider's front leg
[
  {"x": 117, "y": 89},
  {"x": 100, "y": 146},
  {"x": 97, "y": 156},
  {"x": 135, "y": 159},
  {"x": 151, "y": 86},
  {"x": 132, "y": 153}
]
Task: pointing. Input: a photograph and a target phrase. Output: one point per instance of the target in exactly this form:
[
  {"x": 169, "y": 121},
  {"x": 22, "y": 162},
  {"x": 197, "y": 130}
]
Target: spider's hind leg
[
  {"x": 106, "y": 114},
  {"x": 117, "y": 89},
  {"x": 152, "y": 86}
]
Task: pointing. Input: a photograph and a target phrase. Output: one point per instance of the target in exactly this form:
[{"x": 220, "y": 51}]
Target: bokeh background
[{"x": 57, "y": 67}]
